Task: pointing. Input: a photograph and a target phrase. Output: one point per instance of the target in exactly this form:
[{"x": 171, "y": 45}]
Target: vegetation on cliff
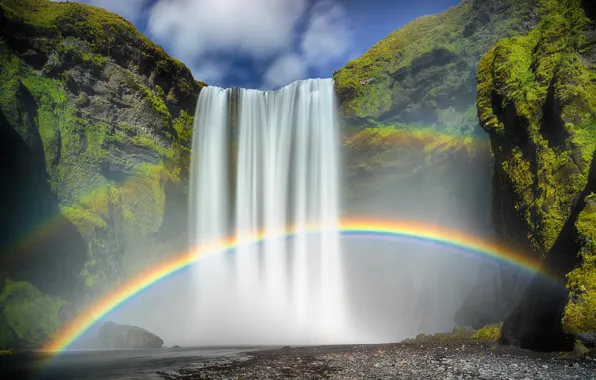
[
  {"x": 424, "y": 72},
  {"x": 400, "y": 153},
  {"x": 422, "y": 77},
  {"x": 111, "y": 113},
  {"x": 580, "y": 312},
  {"x": 536, "y": 99},
  {"x": 28, "y": 317},
  {"x": 488, "y": 333}
]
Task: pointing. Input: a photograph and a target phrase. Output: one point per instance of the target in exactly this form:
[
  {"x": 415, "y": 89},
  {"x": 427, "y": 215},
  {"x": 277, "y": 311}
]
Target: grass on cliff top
[
  {"x": 365, "y": 79},
  {"x": 49, "y": 21}
]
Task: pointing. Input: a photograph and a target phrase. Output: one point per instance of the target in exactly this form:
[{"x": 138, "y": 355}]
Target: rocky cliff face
[
  {"x": 95, "y": 153},
  {"x": 425, "y": 72},
  {"x": 412, "y": 135},
  {"x": 536, "y": 100}
]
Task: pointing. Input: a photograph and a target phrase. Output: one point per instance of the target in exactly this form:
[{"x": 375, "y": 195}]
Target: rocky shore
[{"x": 414, "y": 359}]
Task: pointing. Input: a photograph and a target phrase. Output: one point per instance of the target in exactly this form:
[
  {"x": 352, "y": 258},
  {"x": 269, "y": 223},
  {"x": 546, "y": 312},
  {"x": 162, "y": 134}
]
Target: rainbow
[
  {"x": 369, "y": 228},
  {"x": 385, "y": 137}
]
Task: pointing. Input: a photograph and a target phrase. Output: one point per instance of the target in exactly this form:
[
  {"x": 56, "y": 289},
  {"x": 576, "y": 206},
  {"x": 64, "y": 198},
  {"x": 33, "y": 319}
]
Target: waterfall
[{"x": 266, "y": 161}]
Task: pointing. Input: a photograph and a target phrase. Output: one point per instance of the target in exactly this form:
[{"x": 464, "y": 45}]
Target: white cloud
[
  {"x": 327, "y": 36},
  {"x": 325, "y": 39},
  {"x": 285, "y": 69},
  {"x": 210, "y": 71},
  {"x": 129, "y": 9},
  {"x": 258, "y": 28},
  {"x": 265, "y": 30}
]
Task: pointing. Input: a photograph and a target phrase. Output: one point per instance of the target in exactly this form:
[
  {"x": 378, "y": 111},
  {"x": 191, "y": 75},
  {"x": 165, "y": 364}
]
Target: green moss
[
  {"x": 579, "y": 349},
  {"x": 384, "y": 146},
  {"x": 386, "y": 156},
  {"x": 49, "y": 22},
  {"x": 546, "y": 156},
  {"x": 420, "y": 336},
  {"x": 31, "y": 315},
  {"x": 143, "y": 198},
  {"x": 7, "y": 335},
  {"x": 523, "y": 76},
  {"x": 182, "y": 147},
  {"x": 491, "y": 333},
  {"x": 184, "y": 127},
  {"x": 10, "y": 71},
  {"x": 84, "y": 219},
  {"x": 158, "y": 103},
  {"x": 465, "y": 332},
  {"x": 580, "y": 311},
  {"x": 458, "y": 333},
  {"x": 429, "y": 62},
  {"x": 108, "y": 177},
  {"x": 75, "y": 55}
]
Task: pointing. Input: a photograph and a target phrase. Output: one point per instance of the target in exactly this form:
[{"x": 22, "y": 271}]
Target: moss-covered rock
[
  {"x": 459, "y": 333},
  {"x": 491, "y": 333},
  {"x": 414, "y": 170},
  {"x": 412, "y": 134},
  {"x": 37, "y": 243},
  {"x": 580, "y": 312},
  {"x": 536, "y": 99},
  {"x": 27, "y": 316},
  {"x": 424, "y": 72},
  {"x": 109, "y": 115}
]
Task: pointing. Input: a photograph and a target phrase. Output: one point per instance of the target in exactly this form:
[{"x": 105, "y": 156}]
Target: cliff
[
  {"x": 536, "y": 100},
  {"x": 425, "y": 72},
  {"x": 96, "y": 125},
  {"x": 412, "y": 137},
  {"x": 408, "y": 104}
]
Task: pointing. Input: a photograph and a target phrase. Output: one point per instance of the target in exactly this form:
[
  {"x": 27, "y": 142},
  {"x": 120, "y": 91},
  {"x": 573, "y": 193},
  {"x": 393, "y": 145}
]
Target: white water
[{"x": 278, "y": 167}]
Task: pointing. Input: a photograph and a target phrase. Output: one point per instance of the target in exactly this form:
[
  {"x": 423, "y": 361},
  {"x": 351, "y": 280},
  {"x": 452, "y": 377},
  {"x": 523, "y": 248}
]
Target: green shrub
[{"x": 491, "y": 333}]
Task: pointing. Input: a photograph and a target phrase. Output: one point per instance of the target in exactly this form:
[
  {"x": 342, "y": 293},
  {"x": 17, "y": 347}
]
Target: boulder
[{"x": 112, "y": 335}]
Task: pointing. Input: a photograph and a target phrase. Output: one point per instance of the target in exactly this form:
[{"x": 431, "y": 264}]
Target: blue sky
[{"x": 266, "y": 44}]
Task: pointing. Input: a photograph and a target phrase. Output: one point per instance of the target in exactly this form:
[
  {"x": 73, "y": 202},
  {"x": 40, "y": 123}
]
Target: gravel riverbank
[{"x": 452, "y": 359}]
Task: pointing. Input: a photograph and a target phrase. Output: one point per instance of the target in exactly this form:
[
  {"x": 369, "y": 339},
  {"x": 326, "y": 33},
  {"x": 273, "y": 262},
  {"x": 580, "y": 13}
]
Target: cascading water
[{"x": 266, "y": 161}]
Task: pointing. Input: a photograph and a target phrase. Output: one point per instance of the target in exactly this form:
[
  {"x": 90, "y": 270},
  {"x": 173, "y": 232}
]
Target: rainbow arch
[{"x": 370, "y": 228}]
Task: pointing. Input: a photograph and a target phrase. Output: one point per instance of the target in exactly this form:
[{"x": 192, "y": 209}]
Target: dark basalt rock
[{"x": 112, "y": 335}]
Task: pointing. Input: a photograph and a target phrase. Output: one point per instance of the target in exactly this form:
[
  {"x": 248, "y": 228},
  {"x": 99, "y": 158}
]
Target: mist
[
  {"x": 391, "y": 290},
  {"x": 401, "y": 289},
  {"x": 394, "y": 289}
]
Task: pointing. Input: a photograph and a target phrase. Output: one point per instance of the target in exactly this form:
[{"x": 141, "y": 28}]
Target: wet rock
[
  {"x": 112, "y": 335},
  {"x": 588, "y": 338},
  {"x": 406, "y": 360}
]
